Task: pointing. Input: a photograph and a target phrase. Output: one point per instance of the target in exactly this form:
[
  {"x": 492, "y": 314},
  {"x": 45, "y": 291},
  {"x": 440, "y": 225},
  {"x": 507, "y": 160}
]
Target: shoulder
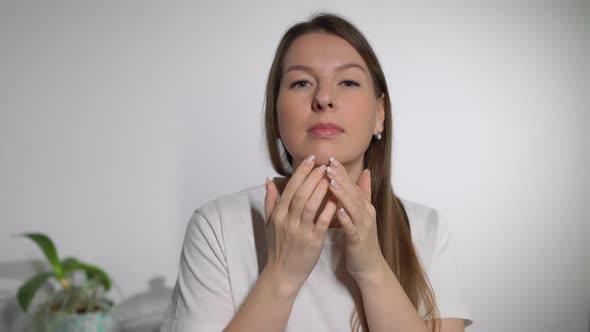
[
  {"x": 428, "y": 229},
  {"x": 227, "y": 218},
  {"x": 239, "y": 201},
  {"x": 423, "y": 218}
]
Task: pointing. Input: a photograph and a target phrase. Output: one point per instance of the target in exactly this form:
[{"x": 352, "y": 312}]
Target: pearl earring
[{"x": 378, "y": 136}]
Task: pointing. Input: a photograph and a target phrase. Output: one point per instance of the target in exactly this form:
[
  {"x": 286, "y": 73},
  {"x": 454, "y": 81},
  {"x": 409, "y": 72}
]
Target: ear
[{"x": 380, "y": 113}]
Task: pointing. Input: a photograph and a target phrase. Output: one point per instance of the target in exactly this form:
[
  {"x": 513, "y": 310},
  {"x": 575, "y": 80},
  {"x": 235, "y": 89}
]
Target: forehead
[{"x": 322, "y": 51}]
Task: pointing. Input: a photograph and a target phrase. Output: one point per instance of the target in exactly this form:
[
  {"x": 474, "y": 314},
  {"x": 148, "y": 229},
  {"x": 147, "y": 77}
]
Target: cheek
[
  {"x": 361, "y": 113},
  {"x": 288, "y": 116},
  {"x": 357, "y": 99}
]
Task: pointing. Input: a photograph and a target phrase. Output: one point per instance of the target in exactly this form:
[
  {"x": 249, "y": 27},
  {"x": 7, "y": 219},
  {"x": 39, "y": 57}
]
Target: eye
[
  {"x": 350, "y": 83},
  {"x": 299, "y": 84}
]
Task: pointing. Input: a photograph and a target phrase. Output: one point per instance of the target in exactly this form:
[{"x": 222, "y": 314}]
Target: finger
[
  {"x": 349, "y": 227},
  {"x": 300, "y": 203},
  {"x": 337, "y": 172},
  {"x": 270, "y": 200},
  {"x": 364, "y": 183},
  {"x": 345, "y": 190},
  {"x": 325, "y": 217},
  {"x": 298, "y": 177},
  {"x": 313, "y": 204}
]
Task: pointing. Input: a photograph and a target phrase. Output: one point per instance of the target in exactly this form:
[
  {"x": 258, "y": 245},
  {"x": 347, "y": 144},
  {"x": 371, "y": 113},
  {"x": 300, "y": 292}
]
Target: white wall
[{"x": 117, "y": 120}]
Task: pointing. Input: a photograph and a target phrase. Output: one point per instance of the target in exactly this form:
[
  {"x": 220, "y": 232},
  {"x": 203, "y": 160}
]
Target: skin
[{"x": 324, "y": 91}]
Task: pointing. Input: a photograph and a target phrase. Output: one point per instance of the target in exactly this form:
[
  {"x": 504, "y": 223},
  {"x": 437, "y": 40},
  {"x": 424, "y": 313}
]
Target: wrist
[
  {"x": 279, "y": 283},
  {"x": 374, "y": 278}
]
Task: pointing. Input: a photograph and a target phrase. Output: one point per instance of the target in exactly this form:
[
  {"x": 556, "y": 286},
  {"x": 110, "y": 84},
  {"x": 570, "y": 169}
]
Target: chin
[
  {"x": 322, "y": 159},
  {"x": 322, "y": 155}
]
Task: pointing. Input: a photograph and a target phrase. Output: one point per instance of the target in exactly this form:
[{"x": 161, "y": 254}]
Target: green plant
[{"x": 70, "y": 296}]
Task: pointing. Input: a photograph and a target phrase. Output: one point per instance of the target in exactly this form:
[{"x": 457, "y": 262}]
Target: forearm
[
  {"x": 387, "y": 307},
  {"x": 267, "y": 307}
]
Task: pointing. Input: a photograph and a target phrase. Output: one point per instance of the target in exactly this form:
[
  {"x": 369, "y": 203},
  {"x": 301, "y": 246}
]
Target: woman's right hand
[{"x": 295, "y": 239}]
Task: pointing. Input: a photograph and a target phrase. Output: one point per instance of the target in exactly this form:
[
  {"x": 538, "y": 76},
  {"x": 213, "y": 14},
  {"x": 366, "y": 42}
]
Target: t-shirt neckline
[{"x": 334, "y": 235}]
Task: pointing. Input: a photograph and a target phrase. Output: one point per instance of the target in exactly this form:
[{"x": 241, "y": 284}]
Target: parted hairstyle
[{"x": 392, "y": 221}]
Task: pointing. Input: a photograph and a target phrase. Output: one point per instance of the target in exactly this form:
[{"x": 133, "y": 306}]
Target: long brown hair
[{"x": 393, "y": 225}]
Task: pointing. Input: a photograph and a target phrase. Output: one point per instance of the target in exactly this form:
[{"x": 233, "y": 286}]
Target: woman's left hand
[{"x": 358, "y": 218}]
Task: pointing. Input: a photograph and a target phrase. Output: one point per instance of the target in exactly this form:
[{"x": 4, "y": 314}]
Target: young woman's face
[{"x": 325, "y": 80}]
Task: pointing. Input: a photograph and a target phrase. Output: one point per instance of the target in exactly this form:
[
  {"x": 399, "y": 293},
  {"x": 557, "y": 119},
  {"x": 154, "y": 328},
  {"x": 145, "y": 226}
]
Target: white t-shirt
[{"x": 224, "y": 252}]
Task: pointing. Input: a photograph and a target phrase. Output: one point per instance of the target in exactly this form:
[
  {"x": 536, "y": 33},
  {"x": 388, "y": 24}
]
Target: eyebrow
[{"x": 339, "y": 68}]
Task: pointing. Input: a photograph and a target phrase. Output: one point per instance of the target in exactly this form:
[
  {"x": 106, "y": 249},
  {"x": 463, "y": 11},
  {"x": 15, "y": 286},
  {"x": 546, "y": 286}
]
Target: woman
[{"x": 329, "y": 246}]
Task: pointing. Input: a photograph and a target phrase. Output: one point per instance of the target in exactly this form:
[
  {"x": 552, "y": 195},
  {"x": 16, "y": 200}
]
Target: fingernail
[
  {"x": 331, "y": 171},
  {"x": 334, "y": 184},
  {"x": 322, "y": 169},
  {"x": 341, "y": 211},
  {"x": 310, "y": 160},
  {"x": 334, "y": 162}
]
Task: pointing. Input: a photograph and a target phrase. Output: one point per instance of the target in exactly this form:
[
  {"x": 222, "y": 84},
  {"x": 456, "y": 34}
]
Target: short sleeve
[
  {"x": 201, "y": 300},
  {"x": 443, "y": 274}
]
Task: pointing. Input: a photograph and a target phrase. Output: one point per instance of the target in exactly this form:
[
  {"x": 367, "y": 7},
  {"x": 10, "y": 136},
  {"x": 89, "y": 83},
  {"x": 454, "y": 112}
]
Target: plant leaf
[
  {"x": 92, "y": 272},
  {"x": 46, "y": 245},
  {"x": 27, "y": 291},
  {"x": 67, "y": 265}
]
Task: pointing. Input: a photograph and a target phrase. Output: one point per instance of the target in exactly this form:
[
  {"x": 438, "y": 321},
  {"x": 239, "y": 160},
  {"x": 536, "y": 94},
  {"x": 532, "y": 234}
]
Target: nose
[{"x": 323, "y": 99}]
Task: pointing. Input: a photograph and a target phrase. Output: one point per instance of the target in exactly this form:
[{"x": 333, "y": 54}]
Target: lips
[
  {"x": 325, "y": 129},
  {"x": 325, "y": 126}
]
